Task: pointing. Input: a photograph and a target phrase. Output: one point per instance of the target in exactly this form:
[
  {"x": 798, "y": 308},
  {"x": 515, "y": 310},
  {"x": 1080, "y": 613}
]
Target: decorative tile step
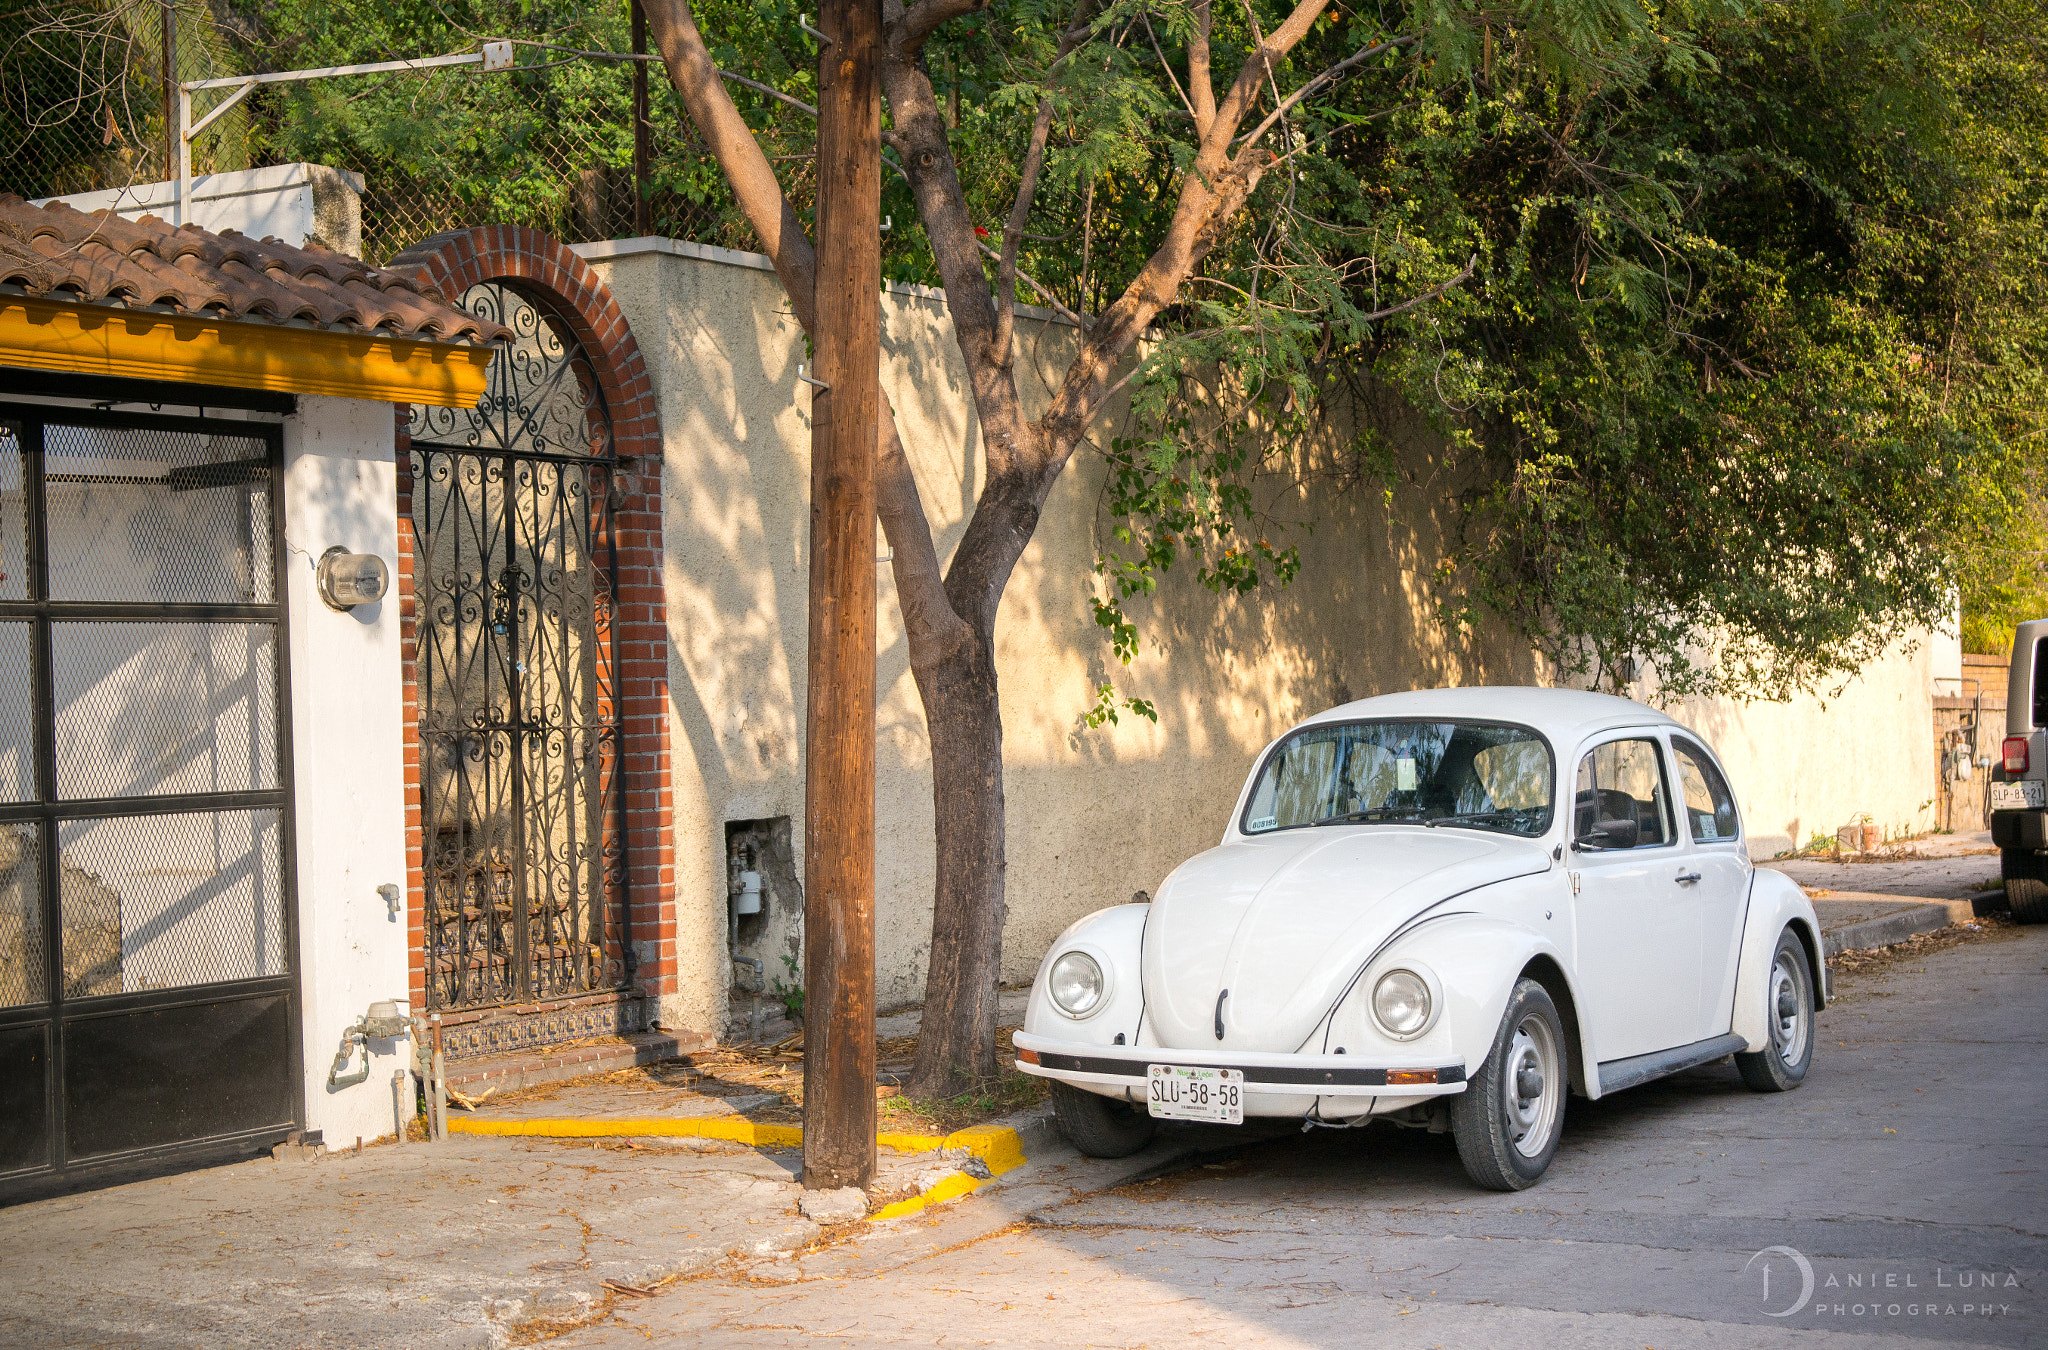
[{"x": 506, "y": 1072}]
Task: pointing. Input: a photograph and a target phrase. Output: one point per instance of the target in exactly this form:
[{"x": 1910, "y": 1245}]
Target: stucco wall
[
  {"x": 340, "y": 486},
  {"x": 1094, "y": 815},
  {"x": 1863, "y": 746}
]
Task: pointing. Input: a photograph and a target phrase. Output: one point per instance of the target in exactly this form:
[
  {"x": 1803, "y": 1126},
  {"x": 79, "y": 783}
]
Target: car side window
[
  {"x": 1621, "y": 800},
  {"x": 1709, "y": 806}
]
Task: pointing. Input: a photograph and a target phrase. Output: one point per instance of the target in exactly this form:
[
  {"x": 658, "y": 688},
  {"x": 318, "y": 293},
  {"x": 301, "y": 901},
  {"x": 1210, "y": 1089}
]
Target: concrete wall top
[{"x": 292, "y": 203}]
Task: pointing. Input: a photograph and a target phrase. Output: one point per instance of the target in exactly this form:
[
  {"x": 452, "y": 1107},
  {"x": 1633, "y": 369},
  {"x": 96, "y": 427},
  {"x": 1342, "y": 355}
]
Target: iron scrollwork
[{"x": 519, "y": 723}]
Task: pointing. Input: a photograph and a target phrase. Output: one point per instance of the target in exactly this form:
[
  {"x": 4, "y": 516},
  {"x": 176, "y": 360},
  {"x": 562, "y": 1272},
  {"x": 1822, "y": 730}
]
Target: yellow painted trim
[
  {"x": 952, "y": 1188},
  {"x": 139, "y": 344},
  {"x": 737, "y": 1129},
  {"x": 996, "y": 1145}
]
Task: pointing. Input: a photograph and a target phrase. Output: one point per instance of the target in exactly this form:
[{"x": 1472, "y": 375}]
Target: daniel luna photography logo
[{"x": 1784, "y": 1283}]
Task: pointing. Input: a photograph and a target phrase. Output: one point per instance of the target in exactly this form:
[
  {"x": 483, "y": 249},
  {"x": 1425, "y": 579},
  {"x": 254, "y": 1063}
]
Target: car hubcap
[
  {"x": 1532, "y": 1087},
  {"x": 1788, "y": 1021}
]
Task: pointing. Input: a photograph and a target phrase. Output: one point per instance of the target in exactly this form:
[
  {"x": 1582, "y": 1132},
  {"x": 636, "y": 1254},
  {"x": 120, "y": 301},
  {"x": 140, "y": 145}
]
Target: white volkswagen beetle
[{"x": 1446, "y": 907}]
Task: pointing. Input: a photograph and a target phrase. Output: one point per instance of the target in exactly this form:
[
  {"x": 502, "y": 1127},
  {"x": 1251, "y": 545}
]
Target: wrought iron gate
[
  {"x": 518, "y": 715},
  {"x": 148, "y": 988}
]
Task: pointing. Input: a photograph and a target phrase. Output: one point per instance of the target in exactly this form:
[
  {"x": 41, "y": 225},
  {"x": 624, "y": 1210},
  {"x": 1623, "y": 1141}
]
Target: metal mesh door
[
  {"x": 146, "y": 965},
  {"x": 518, "y": 721}
]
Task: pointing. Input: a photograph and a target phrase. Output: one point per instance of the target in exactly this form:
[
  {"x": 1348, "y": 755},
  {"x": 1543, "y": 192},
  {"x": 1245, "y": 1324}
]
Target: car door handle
[{"x": 1684, "y": 877}]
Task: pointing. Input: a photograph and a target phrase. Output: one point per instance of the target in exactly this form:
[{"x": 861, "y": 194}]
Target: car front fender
[
  {"x": 1476, "y": 959},
  {"x": 1775, "y": 904},
  {"x": 1115, "y": 937}
]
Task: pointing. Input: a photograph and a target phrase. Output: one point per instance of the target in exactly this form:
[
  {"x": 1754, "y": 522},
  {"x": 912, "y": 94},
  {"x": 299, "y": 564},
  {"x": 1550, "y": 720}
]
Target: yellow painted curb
[
  {"x": 738, "y": 1129},
  {"x": 997, "y": 1146}
]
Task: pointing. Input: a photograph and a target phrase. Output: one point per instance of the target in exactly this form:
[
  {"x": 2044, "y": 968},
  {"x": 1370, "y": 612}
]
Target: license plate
[
  {"x": 2027, "y": 794},
  {"x": 1175, "y": 1092}
]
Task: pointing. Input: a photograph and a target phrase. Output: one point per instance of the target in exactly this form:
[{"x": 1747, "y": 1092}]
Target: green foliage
[
  {"x": 81, "y": 94},
  {"x": 1753, "y": 365},
  {"x": 1732, "y": 309},
  {"x": 791, "y": 994},
  {"x": 1748, "y": 372},
  {"x": 2005, "y": 572}
]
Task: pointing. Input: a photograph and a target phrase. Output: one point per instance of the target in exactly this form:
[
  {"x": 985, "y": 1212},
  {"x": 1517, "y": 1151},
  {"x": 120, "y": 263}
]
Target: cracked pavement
[
  {"x": 1908, "y": 1176},
  {"x": 422, "y": 1245}
]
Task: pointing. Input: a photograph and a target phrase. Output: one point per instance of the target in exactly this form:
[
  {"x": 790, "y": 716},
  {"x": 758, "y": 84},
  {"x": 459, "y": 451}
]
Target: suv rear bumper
[{"x": 2020, "y": 829}]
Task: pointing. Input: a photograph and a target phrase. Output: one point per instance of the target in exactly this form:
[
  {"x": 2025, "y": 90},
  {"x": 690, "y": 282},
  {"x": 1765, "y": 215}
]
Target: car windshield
[{"x": 1472, "y": 775}]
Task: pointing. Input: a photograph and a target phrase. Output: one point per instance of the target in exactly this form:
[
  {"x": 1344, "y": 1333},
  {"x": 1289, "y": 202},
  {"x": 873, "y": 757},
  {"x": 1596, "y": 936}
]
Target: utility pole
[
  {"x": 839, "y": 787},
  {"x": 643, "y": 208},
  {"x": 167, "y": 12}
]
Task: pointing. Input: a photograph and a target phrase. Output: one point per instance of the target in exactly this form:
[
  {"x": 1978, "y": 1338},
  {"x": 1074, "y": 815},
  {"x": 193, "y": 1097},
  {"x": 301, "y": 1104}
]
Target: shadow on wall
[{"x": 1095, "y": 815}]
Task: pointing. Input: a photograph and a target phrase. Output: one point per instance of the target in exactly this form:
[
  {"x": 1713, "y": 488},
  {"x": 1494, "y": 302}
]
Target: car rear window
[{"x": 1471, "y": 775}]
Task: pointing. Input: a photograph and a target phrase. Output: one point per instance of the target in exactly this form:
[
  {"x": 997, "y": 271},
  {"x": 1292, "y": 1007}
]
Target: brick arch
[{"x": 548, "y": 273}]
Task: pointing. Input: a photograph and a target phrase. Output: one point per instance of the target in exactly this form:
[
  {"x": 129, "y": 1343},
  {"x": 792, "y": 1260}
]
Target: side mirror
[{"x": 1615, "y": 833}]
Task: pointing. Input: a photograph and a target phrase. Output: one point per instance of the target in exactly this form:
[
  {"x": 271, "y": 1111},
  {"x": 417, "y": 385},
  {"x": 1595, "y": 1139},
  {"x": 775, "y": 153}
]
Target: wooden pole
[
  {"x": 839, "y": 789},
  {"x": 643, "y": 206},
  {"x": 168, "y": 15}
]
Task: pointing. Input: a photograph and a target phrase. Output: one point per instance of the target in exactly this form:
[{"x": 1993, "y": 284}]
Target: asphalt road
[{"x": 1908, "y": 1179}]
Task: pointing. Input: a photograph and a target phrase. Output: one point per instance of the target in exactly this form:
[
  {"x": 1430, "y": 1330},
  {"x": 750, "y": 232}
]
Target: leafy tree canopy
[{"x": 1732, "y": 308}]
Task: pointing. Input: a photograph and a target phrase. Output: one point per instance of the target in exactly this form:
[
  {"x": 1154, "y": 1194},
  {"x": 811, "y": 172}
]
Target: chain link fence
[{"x": 549, "y": 144}]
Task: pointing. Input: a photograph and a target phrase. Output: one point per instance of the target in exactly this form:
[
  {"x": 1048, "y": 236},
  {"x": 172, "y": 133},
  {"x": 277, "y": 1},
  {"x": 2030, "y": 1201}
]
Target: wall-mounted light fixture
[{"x": 349, "y": 579}]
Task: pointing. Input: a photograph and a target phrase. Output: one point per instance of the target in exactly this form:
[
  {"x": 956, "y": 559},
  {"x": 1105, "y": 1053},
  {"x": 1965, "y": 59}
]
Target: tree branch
[
  {"x": 920, "y": 588},
  {"x": 1200, "y": 87},
  {"x": 919, "y": 135},
  {"x": 1171, "y": 78},
  {"x": 1052, "y": 302},
  {"x": 920, "y": 21},
  {"x": 1471, "y": 265},
  {"x": 770, "y": 90},
  {"x": 1212, "y": 190},
  {"x": 1027, "y": 188},
  {"x": 731, "y": 141},
  {"x": 1362, "y": 54}
]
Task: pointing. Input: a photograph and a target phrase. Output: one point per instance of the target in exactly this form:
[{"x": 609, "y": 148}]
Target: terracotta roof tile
[{"x": 59, "y": 252}]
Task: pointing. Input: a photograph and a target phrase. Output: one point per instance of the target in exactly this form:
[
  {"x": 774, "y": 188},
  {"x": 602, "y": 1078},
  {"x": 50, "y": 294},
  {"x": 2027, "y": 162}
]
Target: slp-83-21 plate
[
  {"x": 1176, "y": 1092},
  {"x": 2027, "y": 794}
]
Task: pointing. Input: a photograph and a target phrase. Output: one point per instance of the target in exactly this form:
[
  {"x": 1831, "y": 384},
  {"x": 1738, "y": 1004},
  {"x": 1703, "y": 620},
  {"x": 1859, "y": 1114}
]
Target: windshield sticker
[
  {"x": 1708, "y": 829},
  {"x": 1404, "y": 775},
  {"x": 1264, "y": 823}
]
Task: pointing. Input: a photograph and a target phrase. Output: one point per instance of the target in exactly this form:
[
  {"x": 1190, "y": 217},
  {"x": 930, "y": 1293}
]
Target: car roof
[{"x": 1561, "y": 714}]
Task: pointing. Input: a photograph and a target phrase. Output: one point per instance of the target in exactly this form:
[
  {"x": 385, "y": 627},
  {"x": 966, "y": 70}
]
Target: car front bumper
[{"x": 1265, "y": 1075}]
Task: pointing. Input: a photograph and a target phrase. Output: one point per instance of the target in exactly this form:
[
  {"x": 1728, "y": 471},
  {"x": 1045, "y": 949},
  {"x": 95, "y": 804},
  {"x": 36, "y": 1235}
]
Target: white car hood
[{"x": 1284, "y": 923}]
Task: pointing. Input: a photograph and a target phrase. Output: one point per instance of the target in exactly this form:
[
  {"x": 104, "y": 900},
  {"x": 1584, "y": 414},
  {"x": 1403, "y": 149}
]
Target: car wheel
[
  {"x": 1510, "y": 1116},
  {"x": 1781, "y": 1065},
  {"x": 2026, "y": 889},
  {"x": 1099, "y": 1126}
]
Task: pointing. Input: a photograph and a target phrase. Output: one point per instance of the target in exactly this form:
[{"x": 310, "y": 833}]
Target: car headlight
[
  {"x": 1400, "y": 1002},
  {"x": 1075, "y": 984}
]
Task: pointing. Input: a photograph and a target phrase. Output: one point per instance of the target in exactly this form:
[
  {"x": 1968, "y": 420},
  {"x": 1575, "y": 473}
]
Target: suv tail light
[{"x": 2015, "y": 754}]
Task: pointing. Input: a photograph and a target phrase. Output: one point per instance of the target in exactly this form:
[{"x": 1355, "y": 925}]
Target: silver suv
[{"x": 2019, "y": 786}]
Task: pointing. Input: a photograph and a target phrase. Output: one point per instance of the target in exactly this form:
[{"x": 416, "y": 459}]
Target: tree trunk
[{"x": 956, "y": 1036}]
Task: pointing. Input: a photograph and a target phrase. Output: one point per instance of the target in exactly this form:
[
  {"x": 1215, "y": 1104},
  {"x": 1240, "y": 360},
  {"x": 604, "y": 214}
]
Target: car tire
[
  {"x": 2026, "y": 886},
  {"x": 1788, "y": 1015},
  {"x": 1506, "y": 1139},
  {"x": 1098, "y": 1126}
]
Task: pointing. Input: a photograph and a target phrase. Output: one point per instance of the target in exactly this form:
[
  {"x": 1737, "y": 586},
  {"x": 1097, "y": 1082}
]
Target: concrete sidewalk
[
  {"x": 1887, "y": 897},
  {"x": 459, "y": 1243}
]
